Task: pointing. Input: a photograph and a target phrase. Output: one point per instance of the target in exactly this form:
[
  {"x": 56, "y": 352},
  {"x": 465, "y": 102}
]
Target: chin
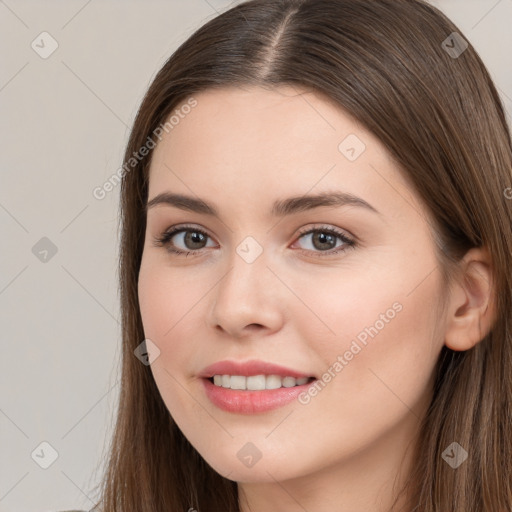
[{"x": 244, "y": 462}]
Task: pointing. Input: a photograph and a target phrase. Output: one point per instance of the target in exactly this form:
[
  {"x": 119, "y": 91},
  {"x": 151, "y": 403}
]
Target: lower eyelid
[{"x": 165, "y": 240}]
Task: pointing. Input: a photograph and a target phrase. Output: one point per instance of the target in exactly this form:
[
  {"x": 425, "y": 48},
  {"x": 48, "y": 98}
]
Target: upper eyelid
[
  {"x": 339, "y": 232},
  {"x": 304, "y": 230}
]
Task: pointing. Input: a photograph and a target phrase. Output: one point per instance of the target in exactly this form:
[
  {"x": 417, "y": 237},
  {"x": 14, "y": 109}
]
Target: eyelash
[{"x": 164, "y": 240}]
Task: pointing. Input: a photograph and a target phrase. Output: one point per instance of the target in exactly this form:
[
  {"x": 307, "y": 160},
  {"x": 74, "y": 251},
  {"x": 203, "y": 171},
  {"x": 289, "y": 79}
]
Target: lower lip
[{"x": 250, "y": 402}]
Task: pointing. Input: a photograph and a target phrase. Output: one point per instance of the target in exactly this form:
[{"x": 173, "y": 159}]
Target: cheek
[
  {"x": 377, "y": 344},
  {"x": 172, "y": 306},
  {"x": 386, "y": 354},
  {"x": 164, "y": 299},
  {"x": 166, "y": 304}
]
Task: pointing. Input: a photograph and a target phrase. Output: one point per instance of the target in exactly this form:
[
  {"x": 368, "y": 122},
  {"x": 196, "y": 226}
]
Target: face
[{"x": 339, "y": 295}]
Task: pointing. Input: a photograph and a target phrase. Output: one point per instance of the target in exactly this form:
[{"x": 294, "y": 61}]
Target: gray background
[{"x": 65, "y": 121}]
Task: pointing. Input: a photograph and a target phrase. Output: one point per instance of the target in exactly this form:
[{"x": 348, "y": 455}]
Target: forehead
[
  {"x": 259, "y": 144},
  {"x": 252, "y": 116}
]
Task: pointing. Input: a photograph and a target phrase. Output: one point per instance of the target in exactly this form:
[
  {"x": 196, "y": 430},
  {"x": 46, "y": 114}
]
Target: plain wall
[{"x": 65, "y": 121}]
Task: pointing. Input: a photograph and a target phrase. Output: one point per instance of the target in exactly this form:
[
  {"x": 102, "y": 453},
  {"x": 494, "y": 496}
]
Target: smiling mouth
[{"x": 258, "y": 382}]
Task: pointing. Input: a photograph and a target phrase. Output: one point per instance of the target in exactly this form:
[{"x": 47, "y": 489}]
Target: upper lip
[{"x": 248, "y": 368}]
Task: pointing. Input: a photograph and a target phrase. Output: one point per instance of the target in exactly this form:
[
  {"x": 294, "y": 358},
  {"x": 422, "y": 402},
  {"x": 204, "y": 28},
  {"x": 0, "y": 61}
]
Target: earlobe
[{"x": 471, "y": 309}]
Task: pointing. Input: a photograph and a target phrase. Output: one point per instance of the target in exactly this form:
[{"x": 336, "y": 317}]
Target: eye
[
  {"x": 191, "y": 237},
  {"x": 324, "y": 240}
]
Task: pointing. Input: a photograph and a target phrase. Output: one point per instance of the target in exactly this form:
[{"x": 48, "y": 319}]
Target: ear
[{"x": 471, "y": 308}]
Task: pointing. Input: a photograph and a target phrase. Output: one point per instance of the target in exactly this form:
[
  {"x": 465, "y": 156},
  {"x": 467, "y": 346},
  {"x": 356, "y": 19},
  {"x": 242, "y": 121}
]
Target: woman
[{"x": 315, "y": 269}]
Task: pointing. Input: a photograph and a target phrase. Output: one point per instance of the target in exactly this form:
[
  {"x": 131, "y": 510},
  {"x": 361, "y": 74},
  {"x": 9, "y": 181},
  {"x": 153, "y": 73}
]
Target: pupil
[
  {"x": 323, "y": 237},
  {"x": 194, "y": 237}
]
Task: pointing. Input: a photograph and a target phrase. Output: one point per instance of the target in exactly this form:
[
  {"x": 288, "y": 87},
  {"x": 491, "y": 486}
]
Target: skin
[{"x": 241, "y": 149}]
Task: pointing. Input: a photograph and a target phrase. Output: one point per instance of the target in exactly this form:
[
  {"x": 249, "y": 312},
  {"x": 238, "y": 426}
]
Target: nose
[{"x": 247, "y": 300}]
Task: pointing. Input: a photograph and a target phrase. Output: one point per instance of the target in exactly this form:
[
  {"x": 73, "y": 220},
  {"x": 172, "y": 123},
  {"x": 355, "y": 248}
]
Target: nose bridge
[
  {"x": 248, "y": 272},
  {"x": 245, "y": 295}
]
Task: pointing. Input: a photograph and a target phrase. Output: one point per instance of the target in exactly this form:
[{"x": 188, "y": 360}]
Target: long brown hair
[{"x": 438, "y": 113}]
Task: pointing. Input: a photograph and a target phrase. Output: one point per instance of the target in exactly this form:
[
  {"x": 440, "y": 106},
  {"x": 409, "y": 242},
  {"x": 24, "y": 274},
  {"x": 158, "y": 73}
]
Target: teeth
[
  {"x": 257, "y": 382},
  {"x": 289, "y": 382},
  {"x": 273, "y": 382},
  {"x": 238, "y": 382}
]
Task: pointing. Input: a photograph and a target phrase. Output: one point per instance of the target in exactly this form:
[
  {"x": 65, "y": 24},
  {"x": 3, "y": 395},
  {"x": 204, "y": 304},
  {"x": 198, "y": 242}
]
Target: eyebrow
[{"x": 280, "y": 207}]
